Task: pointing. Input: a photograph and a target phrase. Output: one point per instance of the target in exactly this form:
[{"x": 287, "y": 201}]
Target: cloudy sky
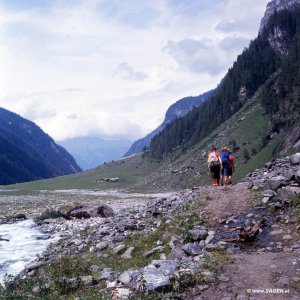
[{"x": 113, "y": 67}]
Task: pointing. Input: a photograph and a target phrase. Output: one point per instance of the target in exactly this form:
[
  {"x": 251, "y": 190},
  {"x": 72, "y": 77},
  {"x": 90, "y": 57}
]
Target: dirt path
[
  {"x": 222, "y": 202},
  {"x": 260, "y": 274}
]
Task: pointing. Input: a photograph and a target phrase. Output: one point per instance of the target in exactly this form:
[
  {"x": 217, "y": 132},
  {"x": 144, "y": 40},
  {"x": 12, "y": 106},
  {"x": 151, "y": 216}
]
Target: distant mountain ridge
[
  {"x": 175, "y": 111},
  {"x": 27, "y": 153},
  {"x": 91, "y": 152}
]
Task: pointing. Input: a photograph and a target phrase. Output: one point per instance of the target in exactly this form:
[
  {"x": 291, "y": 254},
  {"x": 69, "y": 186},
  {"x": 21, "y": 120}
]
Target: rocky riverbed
[{"x": 197, "y": 243}]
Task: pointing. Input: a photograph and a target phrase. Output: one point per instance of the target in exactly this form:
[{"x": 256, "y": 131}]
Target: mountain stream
[{"x": 20, "y": 242}]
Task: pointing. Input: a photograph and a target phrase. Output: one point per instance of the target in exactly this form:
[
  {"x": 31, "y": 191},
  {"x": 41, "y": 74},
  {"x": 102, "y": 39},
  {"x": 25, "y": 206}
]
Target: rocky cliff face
[
  {"x": 278, "y": 37},
  {"x": 279, "y": 40},
  {"x": 277, "y": 5}
]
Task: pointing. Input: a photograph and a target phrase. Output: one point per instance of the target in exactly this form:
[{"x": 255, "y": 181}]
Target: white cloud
[
  {"x": 128, "y": 73},
  {"x": 113, "y": 67},
  {"x": 196, "y": 55},
  {"x": 234, "y": 43}
]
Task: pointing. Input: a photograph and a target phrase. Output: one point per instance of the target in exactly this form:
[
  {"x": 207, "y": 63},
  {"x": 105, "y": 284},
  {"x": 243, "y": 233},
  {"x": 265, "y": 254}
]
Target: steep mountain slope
[
  {"x": 281, "y": 96},
  {"x": 273, "y": 57},
  {"x": 27, "y": 153},
  {"x": 91, "y": 152},
  {"x": 175, "y": 111}
]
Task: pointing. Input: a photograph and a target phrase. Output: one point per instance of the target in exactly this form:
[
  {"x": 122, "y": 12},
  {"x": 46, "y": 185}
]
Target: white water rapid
[{"x": 25, "y": 242}]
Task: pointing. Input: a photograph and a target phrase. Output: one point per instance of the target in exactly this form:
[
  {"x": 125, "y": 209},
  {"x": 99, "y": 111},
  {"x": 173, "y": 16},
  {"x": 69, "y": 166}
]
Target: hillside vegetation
[
  {"x": 273, "y": 58},
  {"x": 27, "y": 153}
]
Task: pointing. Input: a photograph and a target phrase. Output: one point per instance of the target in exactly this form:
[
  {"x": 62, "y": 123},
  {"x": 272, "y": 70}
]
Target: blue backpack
[{"x": 225, "y": 158}]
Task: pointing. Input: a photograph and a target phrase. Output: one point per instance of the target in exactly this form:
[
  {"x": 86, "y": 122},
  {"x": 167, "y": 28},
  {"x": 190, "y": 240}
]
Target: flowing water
[{"x": 25, "y": 242}]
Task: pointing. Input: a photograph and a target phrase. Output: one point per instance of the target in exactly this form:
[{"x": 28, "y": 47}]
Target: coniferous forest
[{"x": 259, "y": 65}]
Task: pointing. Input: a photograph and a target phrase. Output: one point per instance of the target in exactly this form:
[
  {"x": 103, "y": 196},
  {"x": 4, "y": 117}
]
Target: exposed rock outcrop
[{"x": 276, "y": 5}]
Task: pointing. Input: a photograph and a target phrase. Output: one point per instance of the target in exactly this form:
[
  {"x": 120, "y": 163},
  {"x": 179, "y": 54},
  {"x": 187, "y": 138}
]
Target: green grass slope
[
  {"x": 90, "y": 179},
  {"x": 246, "y": 133}
]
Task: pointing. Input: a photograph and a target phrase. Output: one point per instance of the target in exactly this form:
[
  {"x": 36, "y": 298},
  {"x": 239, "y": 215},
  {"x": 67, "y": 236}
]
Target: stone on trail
[
  {"x": 88, "y": 280},
  {"x": 121, "y": 293},
  {"x": 119, "y": 249},
  {"x": 129, "y": 278},
  {"x": 152, "y": 251},
  {"x": 297, "y": 176},
  {"x": 106, "y": 274},
  {"x": 198, "y": 234},
  {"x": 269, "y": 193},
  {"x": 125, "y": 278},
  {"x": 283, "y": 282},
  {"x": 210, "y": 237},
  {"x": 192, "y": 249},
  {"x": 265, "y": 200},
  {"x": 155, "y": 280},
  {"x": 276, "y": 182},
  {"x": 286, "y": 194},
  {"x": 209, "y": 276},
  {"x": 127, "y": 253},
  {"x": 295, "y": 159},
  {"x": 249, "y": 185},
  {"x": 101, "y": 245},
  {"x": 277, "y": 232},
  {"x": 167, "y": 267},
  {"x": 173, "y": 241},
  {"x": 176, "y": 253}
]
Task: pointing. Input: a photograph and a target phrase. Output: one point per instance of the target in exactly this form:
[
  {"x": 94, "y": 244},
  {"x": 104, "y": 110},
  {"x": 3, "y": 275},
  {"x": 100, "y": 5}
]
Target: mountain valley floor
[{"x": 233, "y": 242}]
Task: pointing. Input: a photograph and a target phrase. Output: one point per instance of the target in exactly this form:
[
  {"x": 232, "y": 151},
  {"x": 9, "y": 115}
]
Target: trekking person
[
  {"x": 231, "y": 167},
  {"x": 214, "y": 165},
  {"x": 225, "y": 153}
]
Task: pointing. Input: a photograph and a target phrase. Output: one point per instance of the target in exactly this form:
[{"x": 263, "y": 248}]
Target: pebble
[
  {"x": 277, "y": 232},
  {"x": 283, "y": 282},
  {"x": 119, "y": 249},
  {"x": 127, "y": 253}
]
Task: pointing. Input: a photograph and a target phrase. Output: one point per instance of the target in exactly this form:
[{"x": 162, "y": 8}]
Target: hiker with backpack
[
  {"x": 231, "y": 167},
  {"x": 225, "y": 168},
  {"x": 214, "y": 165}
]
